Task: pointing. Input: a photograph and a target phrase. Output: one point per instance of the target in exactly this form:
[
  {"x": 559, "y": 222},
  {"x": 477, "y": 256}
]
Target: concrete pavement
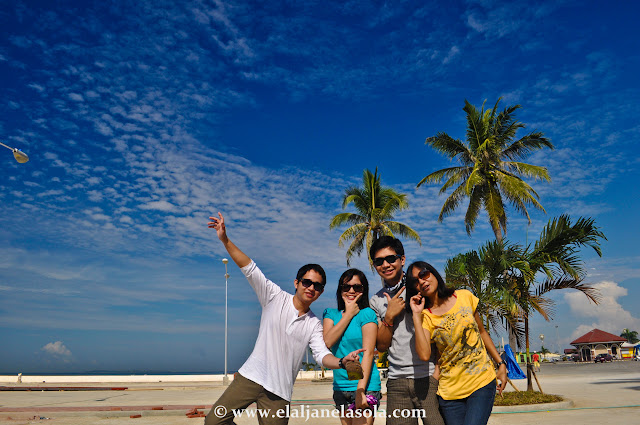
[{"x": 598, "y": 392}]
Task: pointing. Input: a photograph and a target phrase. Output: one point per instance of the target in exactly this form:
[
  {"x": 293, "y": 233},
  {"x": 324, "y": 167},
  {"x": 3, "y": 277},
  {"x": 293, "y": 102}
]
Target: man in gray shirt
[{"x": 410, "y": 384}]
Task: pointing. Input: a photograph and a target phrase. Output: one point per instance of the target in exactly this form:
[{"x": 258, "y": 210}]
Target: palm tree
[
  {"x": 555, "y": 257},
  {"x": 483, "y": 273},
  {"x": 629, "y": 335},
  {"x": 490, "y": 170},
  {"x": 544, "y": 351},
  {"x": 507, "y": 274},
  {"x": 375, "y": 206}
]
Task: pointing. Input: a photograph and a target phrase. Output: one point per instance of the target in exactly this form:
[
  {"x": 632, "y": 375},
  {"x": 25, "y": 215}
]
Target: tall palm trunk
[
  {"x": 529, "y": 365},
  {"x": 496, "y": 231}
]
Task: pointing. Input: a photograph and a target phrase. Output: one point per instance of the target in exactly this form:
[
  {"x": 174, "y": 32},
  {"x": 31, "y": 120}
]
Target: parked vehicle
[{"x": 601, "y": 358}]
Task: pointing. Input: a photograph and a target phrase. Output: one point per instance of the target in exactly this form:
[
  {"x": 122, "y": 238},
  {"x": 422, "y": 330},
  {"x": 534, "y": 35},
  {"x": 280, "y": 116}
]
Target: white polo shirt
[{"x": 282, "y": 339}]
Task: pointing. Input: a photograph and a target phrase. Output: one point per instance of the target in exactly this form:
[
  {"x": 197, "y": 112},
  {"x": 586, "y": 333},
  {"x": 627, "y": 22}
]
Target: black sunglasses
[
  {"x": 358, "y": 287},
  {"x": 316, "y": 285},
  {"x": 389, "y": 259}
]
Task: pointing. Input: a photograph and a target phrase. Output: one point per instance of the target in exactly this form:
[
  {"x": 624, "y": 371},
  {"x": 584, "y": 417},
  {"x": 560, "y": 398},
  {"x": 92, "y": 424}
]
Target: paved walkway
[{"x": 598, "y": 392}]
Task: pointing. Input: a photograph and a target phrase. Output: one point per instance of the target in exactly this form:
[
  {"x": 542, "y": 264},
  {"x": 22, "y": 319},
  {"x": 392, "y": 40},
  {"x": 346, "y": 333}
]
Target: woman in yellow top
[{"x": 449, "y": 319}]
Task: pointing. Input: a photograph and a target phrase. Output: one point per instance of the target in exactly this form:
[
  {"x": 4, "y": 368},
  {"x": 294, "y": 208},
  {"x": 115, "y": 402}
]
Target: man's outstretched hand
[{"x": 218, "y": 224}]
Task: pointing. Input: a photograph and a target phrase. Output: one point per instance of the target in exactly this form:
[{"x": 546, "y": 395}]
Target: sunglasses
[
  {"x": 358, "y": 287},
  {"x": 316, "y": 285},
  {"x": 389, "y": 259},
  {"x": 424, "y": 274}
]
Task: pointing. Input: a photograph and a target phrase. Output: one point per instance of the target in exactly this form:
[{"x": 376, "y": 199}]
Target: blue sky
[{"x": 143, "y": 118}]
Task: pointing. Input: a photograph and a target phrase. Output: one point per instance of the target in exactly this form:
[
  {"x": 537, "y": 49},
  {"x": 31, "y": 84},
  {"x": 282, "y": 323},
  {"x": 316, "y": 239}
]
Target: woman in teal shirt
[{"x": 353, "y": 325}]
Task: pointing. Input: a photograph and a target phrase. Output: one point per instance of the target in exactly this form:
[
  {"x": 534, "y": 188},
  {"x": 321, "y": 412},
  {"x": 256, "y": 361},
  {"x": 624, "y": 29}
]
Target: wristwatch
[
  {"x": 341, "y": 364},
  {"x": 498, "y": 364}
]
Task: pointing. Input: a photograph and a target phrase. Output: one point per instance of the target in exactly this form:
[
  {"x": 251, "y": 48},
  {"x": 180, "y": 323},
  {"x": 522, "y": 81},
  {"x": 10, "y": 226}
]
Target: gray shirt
[{"x": 403, "y": 359}]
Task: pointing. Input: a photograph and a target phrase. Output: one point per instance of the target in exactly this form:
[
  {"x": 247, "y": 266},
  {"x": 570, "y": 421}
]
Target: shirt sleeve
[
  {"x": 426, "y": 322},
  {"x": 473, "y": 300},
  {"x": 327, "y": 314},
  {"x": 317, "y": 345},
  {"x": 263, "y": 287},
  {"x": 368, "y": 316},
  {"x": 378, "y": 307}
]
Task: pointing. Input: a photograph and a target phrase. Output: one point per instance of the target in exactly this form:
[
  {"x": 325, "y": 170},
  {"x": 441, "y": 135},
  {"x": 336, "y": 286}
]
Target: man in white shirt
[{"x": 287, "y": 326}]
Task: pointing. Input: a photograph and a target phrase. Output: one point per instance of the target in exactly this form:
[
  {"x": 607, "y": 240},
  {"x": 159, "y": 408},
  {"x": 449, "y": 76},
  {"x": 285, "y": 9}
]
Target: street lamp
[
  {"x": 20, "y": 156},
  {"x": 225, "y": 379}
]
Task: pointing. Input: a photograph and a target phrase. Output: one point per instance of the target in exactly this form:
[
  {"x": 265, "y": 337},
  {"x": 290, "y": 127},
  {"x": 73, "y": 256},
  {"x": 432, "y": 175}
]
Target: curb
[{"x": 524, "y": 408}]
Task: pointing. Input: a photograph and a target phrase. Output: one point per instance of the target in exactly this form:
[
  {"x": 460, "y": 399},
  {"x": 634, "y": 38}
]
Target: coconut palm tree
[
  {"x": 490, "y": 171},
  {"x": 630, "y": 336},
  {"x": 375, "y": 207}
]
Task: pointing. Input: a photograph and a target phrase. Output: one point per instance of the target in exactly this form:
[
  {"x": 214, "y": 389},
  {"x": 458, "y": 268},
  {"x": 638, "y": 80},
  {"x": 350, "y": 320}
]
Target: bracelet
[
  {"x": 341, "y": 364},
  {"x": 384, "y": 322},
  {"x": 501, "y": 363}
]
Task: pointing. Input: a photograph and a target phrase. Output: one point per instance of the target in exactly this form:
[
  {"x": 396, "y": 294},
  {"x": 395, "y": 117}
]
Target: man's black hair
[
  {"x": 315, "y": 267},
  {"x": 363, "y": 301},
  {"x": 386, "y": 242}
]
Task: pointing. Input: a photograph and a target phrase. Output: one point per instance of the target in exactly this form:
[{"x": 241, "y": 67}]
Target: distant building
[
  {"x": 627, "y": 350},
  {"x": 597, "y": 342}
]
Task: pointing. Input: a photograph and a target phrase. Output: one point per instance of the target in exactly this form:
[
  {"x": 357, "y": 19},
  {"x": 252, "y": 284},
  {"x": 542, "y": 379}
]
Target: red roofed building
[{"x": 596, "y": 342}]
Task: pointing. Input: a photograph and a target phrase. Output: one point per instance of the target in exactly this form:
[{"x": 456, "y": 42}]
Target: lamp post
[
  {"x": 20, "y": 156},
  {"x": 225, "y": 379}
]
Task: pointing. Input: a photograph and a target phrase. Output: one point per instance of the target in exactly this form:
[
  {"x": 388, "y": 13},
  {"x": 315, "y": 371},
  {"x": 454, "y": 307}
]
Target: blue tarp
[{"x": 513, "y": 369}]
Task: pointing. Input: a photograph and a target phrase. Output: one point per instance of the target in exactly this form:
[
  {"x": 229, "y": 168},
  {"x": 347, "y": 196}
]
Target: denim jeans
[{"x": 473, "y": 410}]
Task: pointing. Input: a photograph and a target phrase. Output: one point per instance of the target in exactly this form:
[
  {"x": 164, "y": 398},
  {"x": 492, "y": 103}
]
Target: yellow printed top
[{"x": 465, "y": 365}]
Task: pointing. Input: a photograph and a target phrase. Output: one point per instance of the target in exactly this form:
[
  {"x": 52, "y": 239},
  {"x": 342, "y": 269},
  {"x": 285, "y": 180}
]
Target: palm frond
[
  {"x": 352, "y": 232},
  {"x": 448, "y": 146},
  {"x": 523, "y": 147},
  {"x": 568, "y": 282},
  {"x": 452, "y": 202},
  {"x": 403, "y": 230},
  {"x": 475, "y": 203},
  {"x": 346, "y": 218},
  {"x": 495, "y": 209},
  {"x": 560, "y": 240},
  {"x": 356, "y": 246},
  {"x": 527, "y": 170},
  {"x": 438, "y": 176},
  {"x": 475, "y": 128}
]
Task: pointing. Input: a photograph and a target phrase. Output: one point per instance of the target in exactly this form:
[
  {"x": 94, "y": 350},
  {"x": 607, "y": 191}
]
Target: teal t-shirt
[{"x": 352, "y": 340}]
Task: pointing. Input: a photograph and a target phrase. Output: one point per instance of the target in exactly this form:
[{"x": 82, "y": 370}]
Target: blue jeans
[{"x": 473, "y": 410}]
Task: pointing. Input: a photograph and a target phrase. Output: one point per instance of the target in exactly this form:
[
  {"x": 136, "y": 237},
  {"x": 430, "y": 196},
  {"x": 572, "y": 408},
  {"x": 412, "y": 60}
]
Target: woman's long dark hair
[
  {"x": 443, "y": 290},
  {"x": 363, "y": 301}
]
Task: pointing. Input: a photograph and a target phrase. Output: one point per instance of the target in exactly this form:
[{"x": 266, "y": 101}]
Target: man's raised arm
[{"x": 238, "y": 257}]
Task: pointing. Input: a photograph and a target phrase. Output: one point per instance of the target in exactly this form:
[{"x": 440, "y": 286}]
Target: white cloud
[
  {"x": 608, "y": 315},
  {"x": 453, "y": 52},
  {"x": 57, "y": 349},
  {"x": 160, "y": 206}
]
